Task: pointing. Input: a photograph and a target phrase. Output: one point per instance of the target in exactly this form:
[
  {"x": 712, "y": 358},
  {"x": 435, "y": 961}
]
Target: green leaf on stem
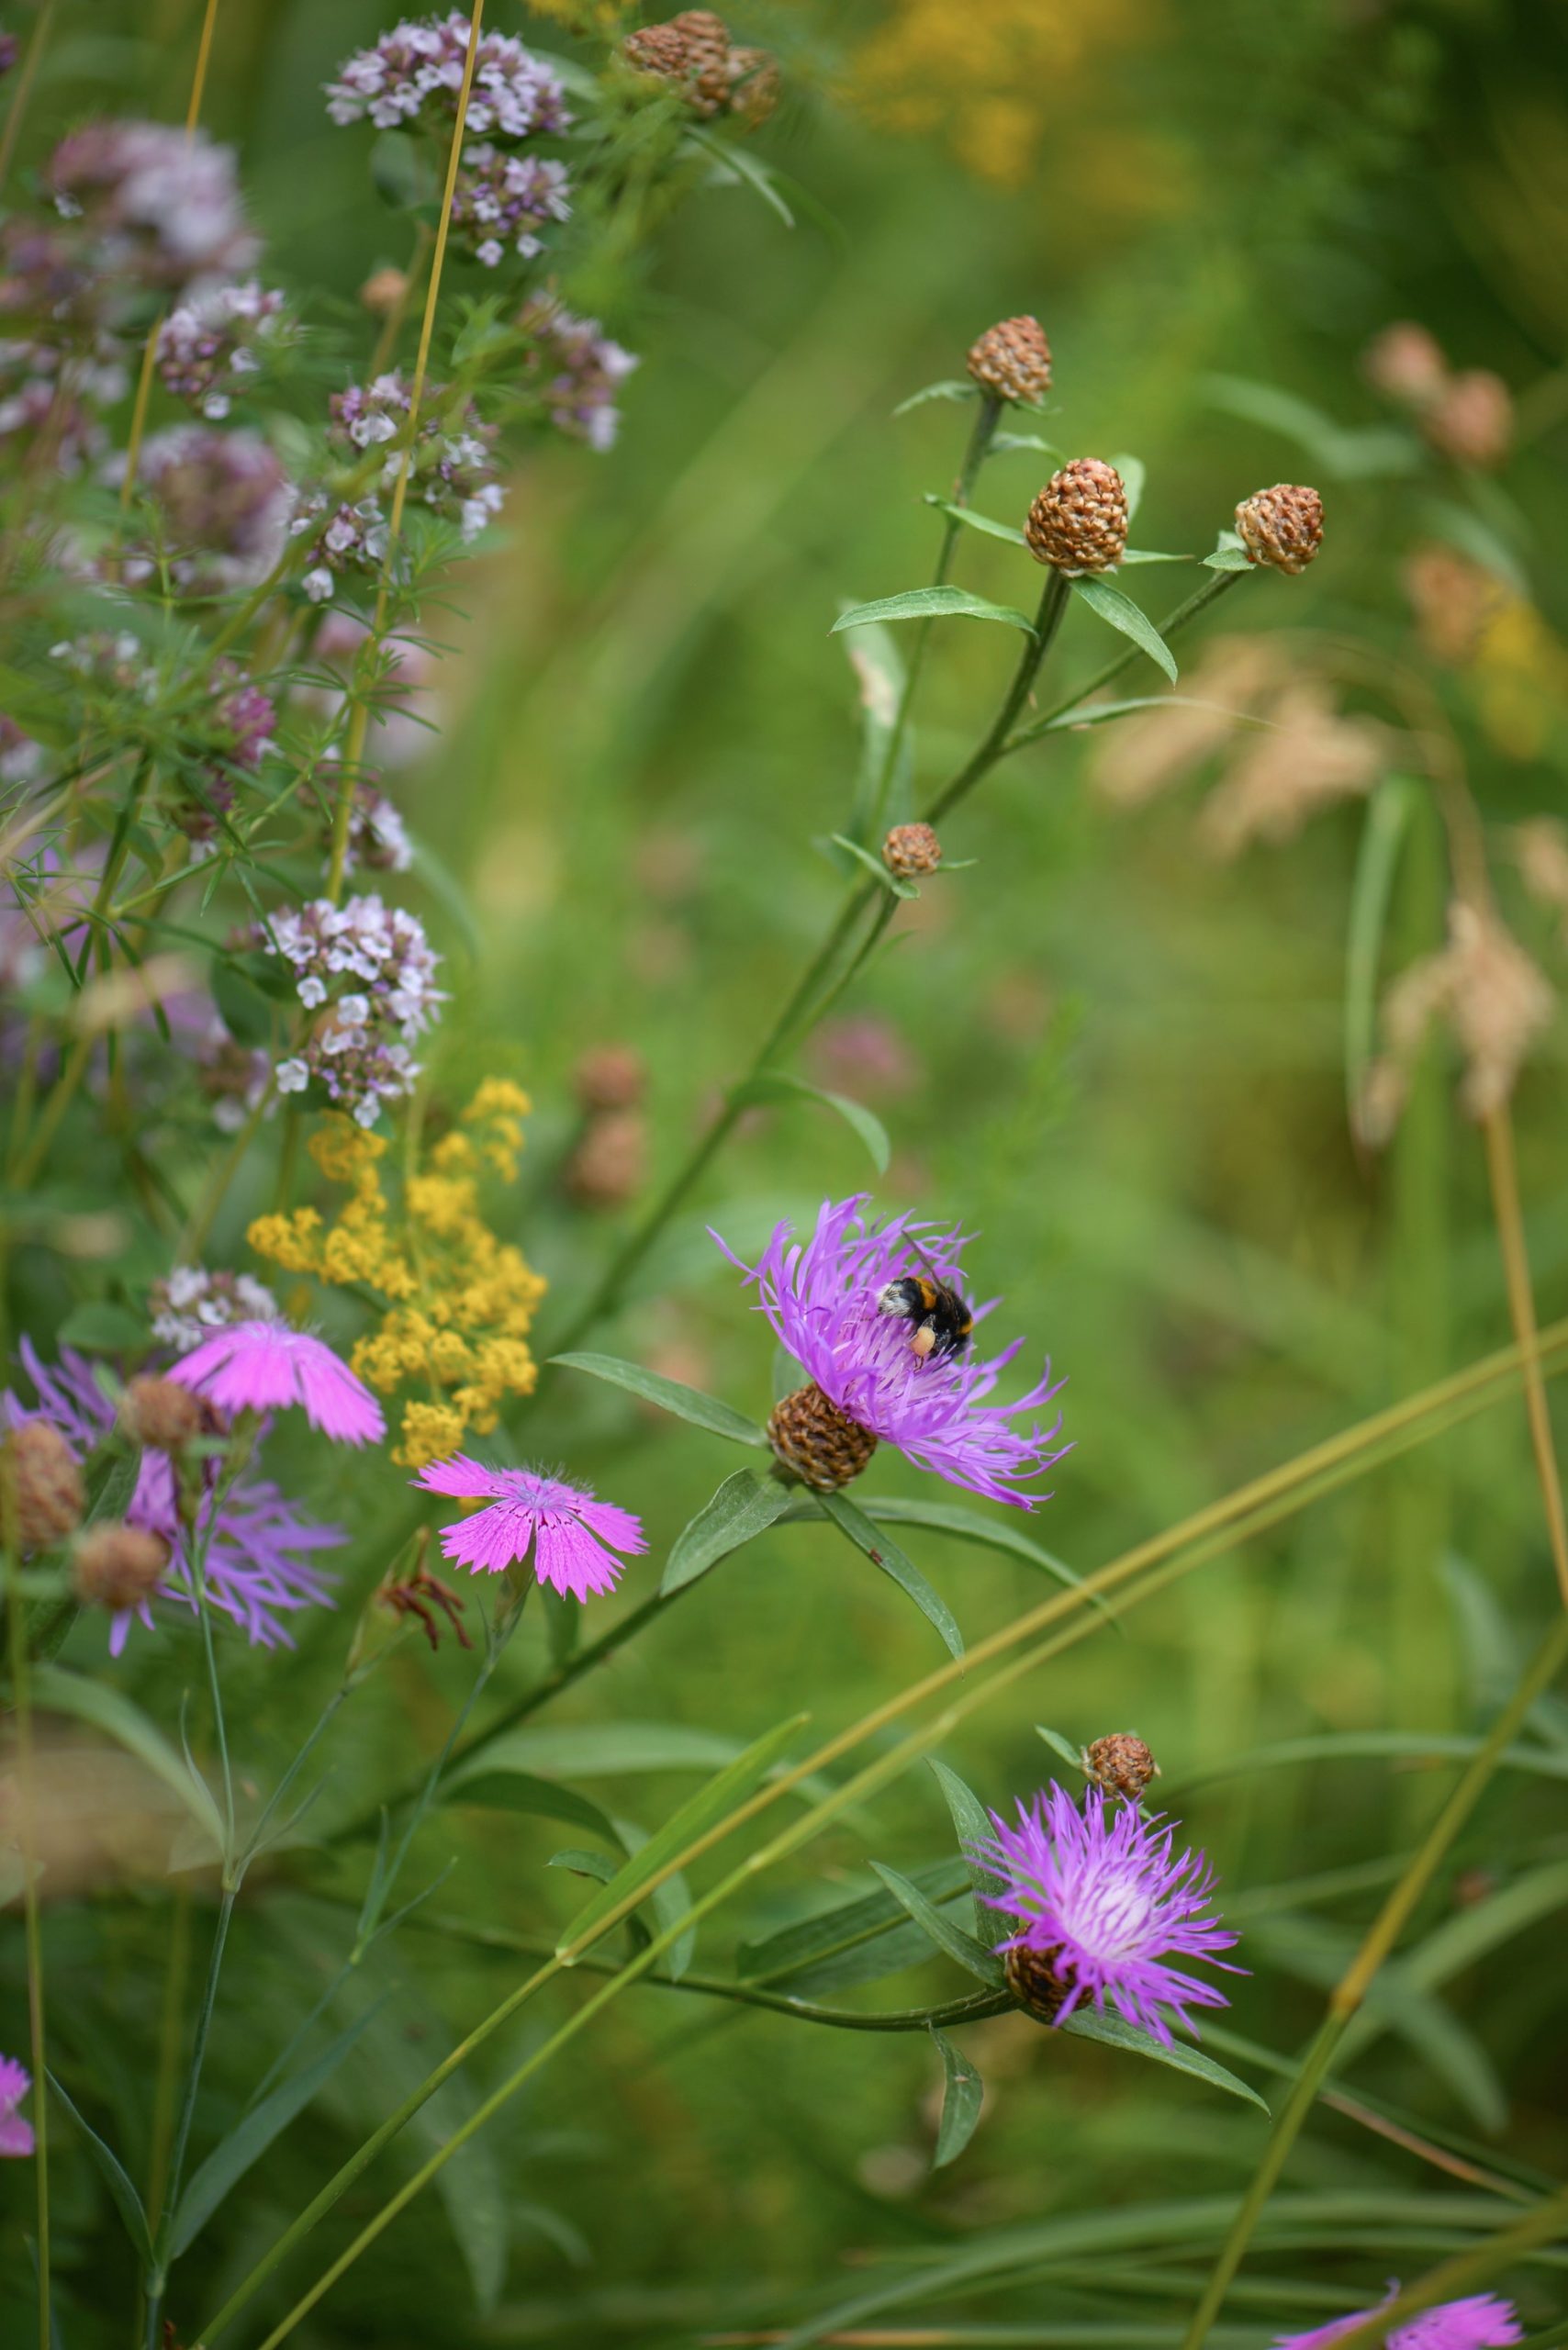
[
  {"x": 705, "y": 1810},
  {"x": 1004, "y": 442},
  {"x": 100, "y": 1327},
  {"x": 831, "y": 1935},
  {"x": 233, "y": 2157},
  {"x": 971, "y": 1526},
  {"x": 669, "y": 1396},
  {"x": 776, "y": 1085},
  {"x": 1148, "y": 554},
  {"x": 1063, "y": 1747},
  {"x": 874, "y": 867},
  {"x": 880, "y": 678},
  {"x": 1098, "y": 713},
  {"x": 55, "y": 1691},
  {"x": 732, "y": 163},
  {"x": 884, "y": 1552},
  {"x": 953, "y": 389},
  {"x": 490, "y": 1781},
  {"x": 1087, "y": 2024},
  {"x": 932, "y": 604},
  {"x": 1226, "y": 558},
  {"x": 973, "y": 1823},
  {"x": 1389, "y": 811},
  {"x": 128, "y": 2202},
  {"x": 982, "y": 1963},
  {"x": 1122, "y": 614},
  {"x": 1134, "y": 473},
  {"x": 974, "y": 522},
  {"x": 963, "y": 2094},
  {"x": 744, "y": 1505}
]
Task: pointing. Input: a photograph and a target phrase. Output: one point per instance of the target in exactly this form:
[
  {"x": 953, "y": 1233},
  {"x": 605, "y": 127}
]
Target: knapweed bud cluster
[
  {"x": 1079, "y": 521},
  {"x": 574, "y": 370},
  {"x": 367, "y": 973},
  {"x": 453, "y": 475},
  {"x": 117, "y": 1566},
  {"x": 816, "y": 1442},
  {"x": 1011, "y": 361},
  {"x": 693, "y": 54}
]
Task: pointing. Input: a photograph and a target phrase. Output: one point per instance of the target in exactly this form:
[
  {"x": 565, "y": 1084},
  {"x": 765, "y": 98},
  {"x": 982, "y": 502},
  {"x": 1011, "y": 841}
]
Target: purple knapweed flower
[
  {"x": 1103, "y": 1902},
  {"x": 15, "y": 2135},
  {"x": 257, "y": 1568},
  {"x": 823, "y": 1299},
  {"x": 568, "y": 1528},
  {"x": 1482, "y": 2322},
  {"x": 267, "y": 1367}
]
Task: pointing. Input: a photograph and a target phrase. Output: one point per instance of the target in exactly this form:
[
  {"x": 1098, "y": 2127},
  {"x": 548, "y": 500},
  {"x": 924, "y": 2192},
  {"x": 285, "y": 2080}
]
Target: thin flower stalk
[{"x": 1502, "y": 1174}]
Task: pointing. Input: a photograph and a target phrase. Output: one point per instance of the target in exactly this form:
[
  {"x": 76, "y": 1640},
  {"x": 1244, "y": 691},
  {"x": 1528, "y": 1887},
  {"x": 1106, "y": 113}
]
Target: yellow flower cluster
[{"x": 456, "y": 1303}]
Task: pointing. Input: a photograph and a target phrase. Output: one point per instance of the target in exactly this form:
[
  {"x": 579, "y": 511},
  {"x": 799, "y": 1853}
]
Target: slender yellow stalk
[{"x": 1503, "y": 1172}]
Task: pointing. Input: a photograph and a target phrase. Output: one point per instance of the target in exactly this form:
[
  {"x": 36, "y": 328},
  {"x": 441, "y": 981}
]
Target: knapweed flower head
[
  {"x": 575, "y": 371},
  {"x": 190, "y": 1303},
  {"x": 220, "y": 505},
  {"x": 15, "y": 2132},
  {"x": 146, "y": 205},
  {"x": 1104, "y": 1903},
  {"x": 267, "y": 1367},
  {"x": 368, "y": 971},
  {"x": 413, "y": 76},
  {"x": 572, "y": 1537},
  {"x": 826, "y": 1298},
  {"x": 501, "y": 202},
  {"x": 457, "y": 1302},
  {"x": 210, "y": 348},
  {"x": 1482, "y": 2322},
  {"x": 258, "y": 1567}
]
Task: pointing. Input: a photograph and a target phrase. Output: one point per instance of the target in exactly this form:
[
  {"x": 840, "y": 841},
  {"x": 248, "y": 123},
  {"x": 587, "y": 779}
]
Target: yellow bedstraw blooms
[{"x": 457, "y": 1302}]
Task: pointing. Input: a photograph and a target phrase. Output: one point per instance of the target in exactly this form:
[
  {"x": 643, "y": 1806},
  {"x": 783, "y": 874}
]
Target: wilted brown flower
[
  {"x": 1454, "y": 601},
  {"x": 1472, "y": 420},
  {"x": 1492, "y": 996},
  {"x": 1308, "y": 757}
]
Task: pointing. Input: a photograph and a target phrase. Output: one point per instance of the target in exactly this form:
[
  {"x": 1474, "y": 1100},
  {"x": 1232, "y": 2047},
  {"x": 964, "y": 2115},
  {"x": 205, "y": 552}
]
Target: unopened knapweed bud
[
  {"x": 1282, "y": 526},
  {"x": 610, "y": 1165},
  {"x": 692, "y": 51},
  {"x": 1013, "y": 360},
  {"x": 40, "y": 1481},
  {"x": 162, "y": 1414},
  {"x": 1472, "y": 420},
  {"x": 118, "y": 1566},
  {"x": 609, "y": 1076},
  {"x": 1033, "y": 1981},
  {"x": 383, "y": 291},
  {"x": 911, "y": 850},
  {"x": 1079, "y": 521},
  {"x": 1406, "y": 364},
  {"x": 817, "y": 1442},
  {"x": 1121, "y": 1765}
]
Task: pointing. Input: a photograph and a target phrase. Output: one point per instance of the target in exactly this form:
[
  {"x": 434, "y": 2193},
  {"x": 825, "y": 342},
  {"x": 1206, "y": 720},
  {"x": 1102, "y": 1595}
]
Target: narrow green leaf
[
  {"x": 960, "y": 389},
  {"x": 1149, "y": 555},
  {"x": 744, "y": 1505},
  {"x": 105, "y": 1708},
  {"x": 932, "y": 604},
  {"x": 884, "y": 1552},
  {"x": 1379, "y": 1745},
  {"x": 970, "y": 1526},
  {"x": 686, "y": 1403},
  {"x": 963, "y": 2094},
  {"x": 487, "y": 1779},
  {"x": 705, "y": 1810},
  {"x": 971, "y": 1822},
  {"x": 1063, "y": 1746},
  {"x": 246, "y": 2145},
  {"x": 874, "y": 867},
  {"x": 880, "y": 678},
  {"x": 1134, "y": 473},
  {"x": 1004, "y": 442},
  {"x": 972, "y": 1955},
  {"x": 967, "y": 515},
  {"x": 1086, "y": 2024},
  {"x": 128, "y": 2202},
  {"x": 734, "y": 162},
  {"x": 1389, "y": 813},
  {"x": 1121, "y": 613},
  {"x": 1228, "y": 559},
  {"x": 775, "y": 1085},
  {"x": 807, "y": 1942},
  {"x": 1096, "y": 714}
]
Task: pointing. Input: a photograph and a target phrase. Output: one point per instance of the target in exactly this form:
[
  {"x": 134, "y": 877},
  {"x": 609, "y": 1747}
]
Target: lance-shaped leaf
[
  {"x": 744, "y": 1505},
  {"x": 829, "y": 1936},
  {"x": 963, "y": 2094},
  {"x": 884, "y": 1552},
  {"x": 1134, "y": 473},
  {"x": 128, "y": 2202},
  {"x": 488, "y": 1779},
  {"x": 705, "y": 1810},
  {"x": 932, "y": 604},
  {"x": 949, "y": 1936},
  {"x": 1087, "y": 2024},
  {"x": 970, "y": 1526},
  {"x": 776, "y": 1085},
  {"x": 973, "y": 1823},
  {"x": 962, "y": 388},
  {"x": 1122, "y": 614},
  {"x": 686, "y": 1403},
  {"x": 983, "y": 522},
  {"x": 892, "y": 882}
]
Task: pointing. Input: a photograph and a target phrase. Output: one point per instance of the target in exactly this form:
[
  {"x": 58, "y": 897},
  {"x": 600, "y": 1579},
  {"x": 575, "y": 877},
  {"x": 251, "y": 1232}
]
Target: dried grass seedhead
[
  {"x": 1137, "y": 759},
  {"x": 1308, "y": 757},
  {"x": 1493, "y": 998},
  {"x": 1541, "y": 849}
]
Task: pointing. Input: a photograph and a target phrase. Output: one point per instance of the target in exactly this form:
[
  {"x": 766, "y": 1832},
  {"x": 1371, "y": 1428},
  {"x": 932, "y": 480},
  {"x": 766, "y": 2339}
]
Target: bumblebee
[{"x": 939, "y": 1320}]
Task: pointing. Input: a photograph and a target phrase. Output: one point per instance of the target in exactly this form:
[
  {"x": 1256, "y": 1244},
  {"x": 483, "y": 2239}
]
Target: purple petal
[
  {"x": 469, "y": 1480},
  {"x": 570, "y": 1559},
  {"x": 492, "y": 1538}
]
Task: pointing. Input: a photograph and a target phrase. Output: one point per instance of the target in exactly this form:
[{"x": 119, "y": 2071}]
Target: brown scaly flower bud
[
  {"x": 1121, "y": 1765},
  {"x": 609, "y": 1076},
  {"x": 162, "y": 1414},
  {"x": 1033, "y": 1981},
  {"x": 383, "y": 291},
  {"x": 1013, "y": 360},
  {"x": 118, "y": 1565},
  {"x": 44, "y": 1484},
  {"x": 610, "y": 1165},
  {"x": 754, "y": 82},
  {"x": 911, "y": 850},
  {"x": 692, "y": 51},
  {"x": 1406, "y": 364},
  {"x": 1472, "y": 420},
  {"x": 1282, "y": 526},
  {"x": 818, "y": 1442},
  {"x": 1079, "y": 521}
]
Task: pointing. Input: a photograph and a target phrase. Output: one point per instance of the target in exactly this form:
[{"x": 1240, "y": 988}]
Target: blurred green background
[{"x": 1116, "y": 1057}]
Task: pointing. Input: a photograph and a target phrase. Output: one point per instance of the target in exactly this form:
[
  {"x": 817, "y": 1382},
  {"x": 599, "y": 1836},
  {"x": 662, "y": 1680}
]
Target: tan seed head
[
  {"x": 383, "y": 291},
  {"x": 609, "y": 1076},
  {"x": 1079, "y": 521},
  {"x": 1033, "y": 1981},
  {"x": 1282, "y": 526},
  {"x": 1472, "y": 420},
  {"x": 1406, "y": 364},
  {"x": 1013, "y": 360}
]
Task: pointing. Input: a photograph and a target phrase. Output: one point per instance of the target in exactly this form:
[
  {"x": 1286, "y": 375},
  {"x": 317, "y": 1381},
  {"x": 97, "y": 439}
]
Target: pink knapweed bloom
[
  {"x": 266, "y": 1366},
  {"x": 1482, "y": 2322},
  {"x": 15, "y": 2135},
  {"x": 823, "y": 1298},
  {"x": 1103, "y": 1897},
  {"x": 568, "y": 1528}
]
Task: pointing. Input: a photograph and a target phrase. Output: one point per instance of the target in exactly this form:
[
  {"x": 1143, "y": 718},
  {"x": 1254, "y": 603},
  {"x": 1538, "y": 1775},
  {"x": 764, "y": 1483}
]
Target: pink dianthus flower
[{"x": 573, "y": 1535}]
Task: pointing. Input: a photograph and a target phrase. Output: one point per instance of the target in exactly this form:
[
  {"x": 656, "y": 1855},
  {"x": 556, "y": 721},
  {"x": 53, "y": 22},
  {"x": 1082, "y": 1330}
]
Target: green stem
[
  {"x": 157, "y": 2282},
  {"x": 1217, "y": 584},
  {"x": 21, "y": 1696}
]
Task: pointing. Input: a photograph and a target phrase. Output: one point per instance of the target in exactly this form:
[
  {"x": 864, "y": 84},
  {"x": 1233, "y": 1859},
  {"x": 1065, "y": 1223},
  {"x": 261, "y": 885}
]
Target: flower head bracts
[
  {"x": 413, "y": 74},
  {"x": 267, "y": 1367},
  {"x": 572, "y": 1537},
  {"x": 16, "y": 2133},
  {"x": 822, "y": 1297},
  {"x": 258, "y": 1567},
  {"x": 1104, "y": 1898},
  {"x": 1482, "y": 2322},
  {"x": 369, "y": 970}
]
